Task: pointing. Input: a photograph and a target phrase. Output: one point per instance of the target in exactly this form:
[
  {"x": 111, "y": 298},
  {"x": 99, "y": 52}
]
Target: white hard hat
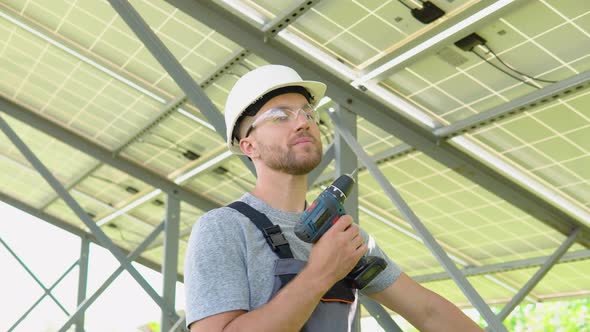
[{"x": 255, "y": 84}]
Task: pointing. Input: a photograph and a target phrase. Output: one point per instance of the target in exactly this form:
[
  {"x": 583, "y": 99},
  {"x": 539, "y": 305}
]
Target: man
[{"x": 239, "y": 279}]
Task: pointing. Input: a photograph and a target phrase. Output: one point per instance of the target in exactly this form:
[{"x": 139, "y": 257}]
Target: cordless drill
[{"x": 322, "y": 214}]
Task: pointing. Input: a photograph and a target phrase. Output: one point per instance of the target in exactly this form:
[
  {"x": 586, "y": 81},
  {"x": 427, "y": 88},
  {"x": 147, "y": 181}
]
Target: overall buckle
[{"x": 274, "y": 236}]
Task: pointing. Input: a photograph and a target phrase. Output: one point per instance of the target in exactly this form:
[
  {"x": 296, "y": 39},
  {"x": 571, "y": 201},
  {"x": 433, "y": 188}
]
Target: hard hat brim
[{"x": 316, "y": 89}]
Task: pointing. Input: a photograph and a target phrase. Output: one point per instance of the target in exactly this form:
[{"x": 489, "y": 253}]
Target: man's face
[{"x": 293, "y": 147}]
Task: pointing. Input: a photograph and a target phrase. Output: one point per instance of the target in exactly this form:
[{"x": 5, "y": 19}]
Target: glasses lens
[{"x": 310, "y": 113}]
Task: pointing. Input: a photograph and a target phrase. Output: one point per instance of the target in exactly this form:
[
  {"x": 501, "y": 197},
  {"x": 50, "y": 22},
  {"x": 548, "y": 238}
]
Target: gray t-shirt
[{"x": 229, "y": 265}]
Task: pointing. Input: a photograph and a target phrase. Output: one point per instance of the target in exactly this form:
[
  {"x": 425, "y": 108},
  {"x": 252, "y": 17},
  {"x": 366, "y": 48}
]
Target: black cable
[
  {"x": 516, "y": 71},
  {"x": 504, "y": 71},
  {"x": 183, "y": 150},
  {"x": 105, "y": 180}
]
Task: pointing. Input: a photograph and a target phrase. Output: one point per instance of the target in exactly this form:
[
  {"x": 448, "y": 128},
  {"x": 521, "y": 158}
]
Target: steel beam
[
  {"x": 82, "y": 279},
  {"x": 418, "y": 227},
  {"x": 280, "y": 23},
  {"x": 505, "y": 266},
  {"x": 536, "y": 278},
  {"x": 384, "y": 116},
  {"x": 225, "y": 68},
  {"x": 82, "y": 307},
  {"x": 99, "y": 152},
  {"x": 539, "y": 97},
  {"x": 170, "y": 259},
  {"x": 77, "y": 209},
  {"x": 174, "y": 69},
  {"x": 345, "y": 163}
]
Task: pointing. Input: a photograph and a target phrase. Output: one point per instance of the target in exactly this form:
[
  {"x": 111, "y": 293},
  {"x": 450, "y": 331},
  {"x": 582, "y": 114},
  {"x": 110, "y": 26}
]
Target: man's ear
[{"x": 248, "y": 147}]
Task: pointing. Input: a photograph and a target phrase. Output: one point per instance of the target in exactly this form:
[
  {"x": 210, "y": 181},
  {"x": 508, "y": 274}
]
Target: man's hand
[{"x": 337, "y": 252}]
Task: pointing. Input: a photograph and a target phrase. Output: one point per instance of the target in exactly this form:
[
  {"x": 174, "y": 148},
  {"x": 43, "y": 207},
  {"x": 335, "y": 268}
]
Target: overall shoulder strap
[{"x": 272, "y": 233}]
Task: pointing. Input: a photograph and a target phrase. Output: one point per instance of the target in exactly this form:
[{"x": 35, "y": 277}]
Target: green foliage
[{"x": 562, "y": 316}]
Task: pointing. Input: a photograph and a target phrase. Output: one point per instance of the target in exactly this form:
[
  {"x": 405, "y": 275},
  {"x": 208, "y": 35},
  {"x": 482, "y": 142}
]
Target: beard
[{"x": 286, "y": 160}]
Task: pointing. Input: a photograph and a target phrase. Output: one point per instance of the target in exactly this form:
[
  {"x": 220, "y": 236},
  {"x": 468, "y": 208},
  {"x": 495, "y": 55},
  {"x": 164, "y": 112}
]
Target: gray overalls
[{"x": 337, "y": 308}]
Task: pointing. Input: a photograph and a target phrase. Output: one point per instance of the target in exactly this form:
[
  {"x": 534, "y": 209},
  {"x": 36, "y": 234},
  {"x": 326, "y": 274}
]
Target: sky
[{"x": 48, "y": 252}]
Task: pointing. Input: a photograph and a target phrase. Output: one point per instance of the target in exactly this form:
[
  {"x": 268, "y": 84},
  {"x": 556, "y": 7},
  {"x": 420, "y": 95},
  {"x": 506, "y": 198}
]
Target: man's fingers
[
  {"x": 342, "y": 223},
  {"x": 362, "y": 250},
  {"x": 358, "y": 240}
]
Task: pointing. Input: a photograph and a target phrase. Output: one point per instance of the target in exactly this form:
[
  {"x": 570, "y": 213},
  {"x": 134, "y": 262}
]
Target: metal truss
[
  {"x": 344, "y": 151},
  {"x": 384, "y": 117},
  {"x": 77, "y": 209}
]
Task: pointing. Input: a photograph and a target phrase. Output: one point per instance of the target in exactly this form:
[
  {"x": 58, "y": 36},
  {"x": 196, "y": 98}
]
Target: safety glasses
[{"x": 283, "y": 115}]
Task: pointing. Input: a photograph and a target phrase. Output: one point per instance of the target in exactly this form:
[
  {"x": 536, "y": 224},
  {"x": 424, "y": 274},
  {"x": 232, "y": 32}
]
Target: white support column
[
  {"x": 170, "y": 259},
  {"x": 82, "y": 279},
  {"x": 345, "y": 164}
]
